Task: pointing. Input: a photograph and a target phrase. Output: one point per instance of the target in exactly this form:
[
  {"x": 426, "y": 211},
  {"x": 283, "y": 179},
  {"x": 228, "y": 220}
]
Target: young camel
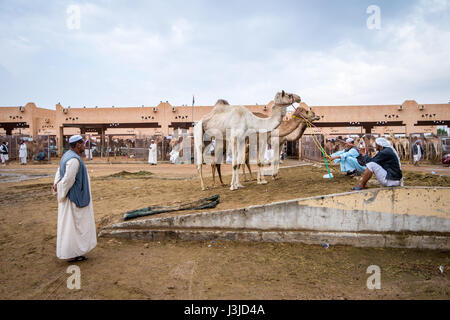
[{"x": 238, "y": 121}]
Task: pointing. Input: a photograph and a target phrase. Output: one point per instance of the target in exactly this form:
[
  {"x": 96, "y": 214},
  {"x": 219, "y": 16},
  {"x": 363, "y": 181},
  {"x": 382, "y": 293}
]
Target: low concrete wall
[{"x": 368, "y": 214}]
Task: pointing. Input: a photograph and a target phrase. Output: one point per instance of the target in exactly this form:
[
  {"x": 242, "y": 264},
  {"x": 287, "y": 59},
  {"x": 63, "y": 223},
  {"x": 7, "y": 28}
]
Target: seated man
[
  {"x": 348, "y": 159},
  {"x": 385, "y": 165},
  {"x": 40, "y": 156}
]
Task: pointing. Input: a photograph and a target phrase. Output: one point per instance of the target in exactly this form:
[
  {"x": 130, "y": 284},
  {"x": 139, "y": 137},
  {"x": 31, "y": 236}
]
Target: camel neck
[
  {"x": 286, "y": 127},
  {"x": 298, "y": 132},
  {"x": 274, "y": 120}
]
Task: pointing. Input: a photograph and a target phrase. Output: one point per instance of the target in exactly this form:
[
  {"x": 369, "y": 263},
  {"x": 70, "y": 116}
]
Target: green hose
[{"x": 326, "y": 163}]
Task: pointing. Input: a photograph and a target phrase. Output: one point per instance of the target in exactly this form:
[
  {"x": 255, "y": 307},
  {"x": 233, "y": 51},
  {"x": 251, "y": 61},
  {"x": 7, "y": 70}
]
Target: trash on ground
[
  {"x": 205, "y": 203},
  {"x": 325, "y": 245}
]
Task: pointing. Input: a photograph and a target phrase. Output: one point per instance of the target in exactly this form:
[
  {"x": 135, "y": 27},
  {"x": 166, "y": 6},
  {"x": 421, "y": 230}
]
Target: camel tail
[{"x": 198, "y": 142}]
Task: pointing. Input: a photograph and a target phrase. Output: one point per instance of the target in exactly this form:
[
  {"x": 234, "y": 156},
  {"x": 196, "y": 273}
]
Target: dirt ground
[{"x": 200, "y": 270}]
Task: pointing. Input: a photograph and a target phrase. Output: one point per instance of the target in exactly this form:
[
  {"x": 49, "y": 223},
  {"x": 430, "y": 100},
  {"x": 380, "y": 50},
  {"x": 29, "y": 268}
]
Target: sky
[{"x": 132, "y": 53}]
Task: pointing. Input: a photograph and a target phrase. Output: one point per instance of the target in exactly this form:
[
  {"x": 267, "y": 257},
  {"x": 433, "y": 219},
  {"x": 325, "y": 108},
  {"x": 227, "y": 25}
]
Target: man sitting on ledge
[{"x": 385, "y": 165}]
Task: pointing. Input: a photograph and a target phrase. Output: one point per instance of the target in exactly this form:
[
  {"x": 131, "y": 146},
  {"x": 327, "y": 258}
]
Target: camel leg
[
  {"x": 262, "y": 149},
  {"x": 276, "y": 163},
  {"x": 243, "y": 173},
  {"x": 258, "y": 161},
  {"x": 240, "y": 157},
  {"x": 247, "y": 163},
  {"x": 218, "y": 167},
  {"x": 199, "y": 169},
  {"x": 234, "y": 165},
  {"x": 213, "y": 169}
]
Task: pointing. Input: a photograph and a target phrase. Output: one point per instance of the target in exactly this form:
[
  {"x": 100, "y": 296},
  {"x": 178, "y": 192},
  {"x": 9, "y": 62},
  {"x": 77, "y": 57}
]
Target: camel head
[
  {"x": 222, "y": 101},
  {"x": 286, "y": 99},
  {"x": 304, "y": 113},
  {"x": 175, "y": 141}
]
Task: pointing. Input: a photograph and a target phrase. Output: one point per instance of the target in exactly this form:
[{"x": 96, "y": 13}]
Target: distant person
[
  {"x": 385, "y": 165},
  {"x": 76, "y": 233},
  {"x": 88, "y": 150},
  {"x": 4, "y": 153},
  {"x": 40, "y": 156},
  {"x": 268, "y": 154},
  {"x": 417, "y": 152},
  {"x": 152, "y": 155},
  {"x": 348, "y": 159},
  {"x": 23, "y": 153}
]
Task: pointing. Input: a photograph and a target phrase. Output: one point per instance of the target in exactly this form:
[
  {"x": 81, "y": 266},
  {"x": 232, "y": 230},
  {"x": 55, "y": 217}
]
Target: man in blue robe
[{"x": 348, "y": 159}]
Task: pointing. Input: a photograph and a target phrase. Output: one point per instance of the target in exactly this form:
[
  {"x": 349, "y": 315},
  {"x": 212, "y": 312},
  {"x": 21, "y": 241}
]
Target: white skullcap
[
  {"x": 382, "y": 142},
  {"x": 349, "y": 140},
  {"x": 75, "y": 138}
]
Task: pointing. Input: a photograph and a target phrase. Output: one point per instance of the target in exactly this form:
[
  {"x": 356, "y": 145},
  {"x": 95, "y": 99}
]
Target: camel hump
[{"x": 222, "y": 101}]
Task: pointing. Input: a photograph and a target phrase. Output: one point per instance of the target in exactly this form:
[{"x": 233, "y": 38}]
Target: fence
[
  {"x": 46, "y": 144},
  {"x": 310, "y": 150},
  {"x": 131, "y": 146}
]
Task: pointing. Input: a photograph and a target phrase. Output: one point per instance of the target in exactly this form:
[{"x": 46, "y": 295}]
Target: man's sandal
[
  {"x": 357, "y": 188},
  {"x": 77, "y": 259}
]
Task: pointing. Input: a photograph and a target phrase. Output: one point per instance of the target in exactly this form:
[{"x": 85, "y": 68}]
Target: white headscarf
[
  {"x": 386, "y": 144},
  {"x": 349, "y": 140}
]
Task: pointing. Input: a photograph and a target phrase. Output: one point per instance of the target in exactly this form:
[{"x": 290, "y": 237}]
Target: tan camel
[
  {"x": 302, "y": 119},
  {"x": 176, "y": 145},
  {"x": 238, "y": 121},
  {"x": 433, "y": 148}
]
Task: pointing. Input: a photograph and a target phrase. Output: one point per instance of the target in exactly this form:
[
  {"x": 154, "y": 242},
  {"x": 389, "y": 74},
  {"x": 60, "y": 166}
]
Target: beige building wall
[{"x": 334, "y": 120}]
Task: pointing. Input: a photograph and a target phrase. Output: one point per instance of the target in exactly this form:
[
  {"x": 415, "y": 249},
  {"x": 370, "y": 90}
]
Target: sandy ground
[{"x": 194, "y": 270}]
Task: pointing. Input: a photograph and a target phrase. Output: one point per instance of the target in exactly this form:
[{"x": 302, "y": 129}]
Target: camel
[
  {"x": 291, "y": 130},
  {"x": 238, "y": 121},
  {"x": 288, "y": 130},
  {"x": 176, "y": 148},
  {"x": 432, "y": 148}
]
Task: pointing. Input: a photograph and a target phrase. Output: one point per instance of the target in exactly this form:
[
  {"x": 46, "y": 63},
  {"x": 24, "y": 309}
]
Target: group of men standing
[{"x": 4, "y": 153}]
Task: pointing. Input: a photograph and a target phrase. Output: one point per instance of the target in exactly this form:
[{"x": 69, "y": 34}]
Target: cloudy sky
[{"x": 132, "y": 53}]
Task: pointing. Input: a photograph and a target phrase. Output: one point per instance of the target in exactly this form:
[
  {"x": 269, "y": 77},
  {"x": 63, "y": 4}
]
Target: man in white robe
[
  {"x": 23, "y": 153},
  {"x": 417, "y": 152},
  {"x": 268, "y": 155},
  {"x": 76, "y": 232},
  {"x": 174, "y": 154},
  {"x": 152, "y": 153}
]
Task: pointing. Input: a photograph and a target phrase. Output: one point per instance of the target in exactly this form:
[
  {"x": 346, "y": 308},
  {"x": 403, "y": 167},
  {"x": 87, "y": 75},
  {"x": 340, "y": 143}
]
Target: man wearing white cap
[
  {"x": 348, "y": 159},
  {"x": 23, "y": 153},
  {"x": 152, "y": 153},
  {"x": 385, "y": 165},
  {"x": 76, "y": 233},
  {"x": 417, "y": 152}
]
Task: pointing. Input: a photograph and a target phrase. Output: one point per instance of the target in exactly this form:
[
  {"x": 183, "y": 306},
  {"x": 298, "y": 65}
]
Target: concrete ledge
[
  {"x": 410, "y": 217},
  {"x": 307, "y": 237}
]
